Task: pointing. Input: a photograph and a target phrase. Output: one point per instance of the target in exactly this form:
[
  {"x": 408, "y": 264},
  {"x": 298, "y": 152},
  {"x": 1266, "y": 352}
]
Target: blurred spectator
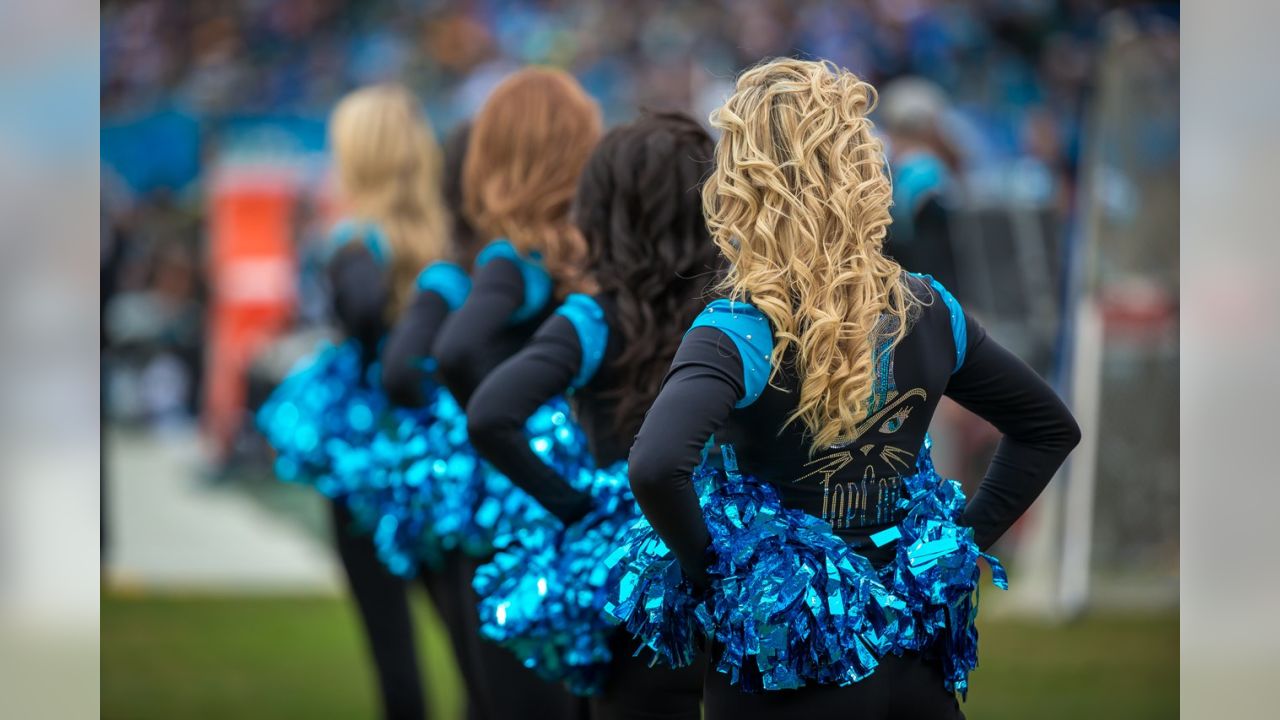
[
  {"x": 152, "y": 309},
  {"x": 923, "y": 165}
]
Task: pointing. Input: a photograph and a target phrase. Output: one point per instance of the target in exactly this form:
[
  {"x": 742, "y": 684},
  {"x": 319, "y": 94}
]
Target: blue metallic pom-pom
[
  {"x": 322, "y": 421},
  {"x": 543, "y": 597},
  {"x": 502, "y": 513},
  {"x": 409, "y": 476},
  {"x": 793, "y": 601},
  {"x": 403, "y": 473},
  {"x": 425, "y": 470},
  {"x": 936, "y": 573},
  {"x": 433, "y": 494}
]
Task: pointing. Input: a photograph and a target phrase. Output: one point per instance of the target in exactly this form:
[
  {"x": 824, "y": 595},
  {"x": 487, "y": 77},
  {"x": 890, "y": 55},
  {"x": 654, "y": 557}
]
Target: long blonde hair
[
  {"x": 389, "y": 167},
  {"x": 529, "y": 143},
  {"x": 799, "y": 205}
]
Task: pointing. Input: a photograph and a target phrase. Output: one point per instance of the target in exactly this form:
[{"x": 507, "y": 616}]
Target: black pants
[
  {"x": 902, "y": 688},
  {"x": 635, "y": 691},
  {"x": 383, "y": 601},
  {"x": 508, "y": 690}
]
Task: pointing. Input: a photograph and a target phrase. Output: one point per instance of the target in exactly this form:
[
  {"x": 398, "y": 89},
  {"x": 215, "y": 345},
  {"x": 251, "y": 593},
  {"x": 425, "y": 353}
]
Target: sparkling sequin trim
[
  {"x": 446, "y": 280},
  {"x": 749, "y": 330},
  {"x": 537, "y": 282},
  {"x": 588, "y": 321}
]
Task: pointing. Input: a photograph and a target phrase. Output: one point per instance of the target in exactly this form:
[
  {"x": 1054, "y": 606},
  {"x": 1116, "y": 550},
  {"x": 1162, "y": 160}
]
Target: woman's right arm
[
  {"x": 360, "y": 293},
  {"x": 465, "y": 347},
  {"x": 1039, "y": 432},
  {"x": 701, "y": 389},
  {"x": 407, "y": 352},
  {"x": 406, "y": 355}
]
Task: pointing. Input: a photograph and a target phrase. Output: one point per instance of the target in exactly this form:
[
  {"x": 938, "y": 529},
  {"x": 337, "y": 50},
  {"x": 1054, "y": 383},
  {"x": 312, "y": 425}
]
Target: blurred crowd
[
  {"x": 988, "y": 92},
  {"x": 1015, "y": 69}
]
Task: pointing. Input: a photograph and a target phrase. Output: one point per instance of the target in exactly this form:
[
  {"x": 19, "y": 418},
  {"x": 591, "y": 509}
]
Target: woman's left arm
[{"x": 1039, "y": 432}]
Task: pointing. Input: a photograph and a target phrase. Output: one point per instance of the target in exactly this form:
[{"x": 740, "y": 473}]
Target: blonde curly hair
[
  {"x": 389, "y": 172},
  {"x": 799, "y": 205}
]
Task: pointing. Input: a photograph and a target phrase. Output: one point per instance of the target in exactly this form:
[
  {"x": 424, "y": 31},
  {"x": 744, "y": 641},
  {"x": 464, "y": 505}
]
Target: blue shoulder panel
[
  {"x": 959, "y": 332},
  {"x": 370, "y": 233},
  {"x": 593, "y": 334},
  {"x": 537, "y": 283},
  {"x": 448, "y": 280},
  {"x": 749, "y": 329}
]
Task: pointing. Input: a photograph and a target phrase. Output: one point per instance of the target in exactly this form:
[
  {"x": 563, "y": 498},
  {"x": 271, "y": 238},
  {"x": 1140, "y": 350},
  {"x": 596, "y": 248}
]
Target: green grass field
[{"x": 303, "y": 657}]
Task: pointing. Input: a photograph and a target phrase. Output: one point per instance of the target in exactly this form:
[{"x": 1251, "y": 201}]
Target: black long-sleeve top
[
  {"x": 407, "y": 364},
  {"x": 360, "y": 292},
  {"x": 945, "y": 352},
  {"x": 550, "y": 364},
  {"x": 407, "y": 351},
  {"x": 510, "y": 297}
]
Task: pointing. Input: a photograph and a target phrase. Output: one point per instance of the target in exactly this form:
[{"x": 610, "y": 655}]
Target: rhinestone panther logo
[{"x": 846, "y": 503}]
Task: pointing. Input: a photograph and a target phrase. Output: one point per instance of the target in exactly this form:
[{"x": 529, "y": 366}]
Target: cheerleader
[
  {"x": 323, "y": 416},
  {"x": 830, "y": 566},
  {"x": 407, "y": 367},
  {"x": 639, "y": 210},
  {"x": 528, "y": 144},
  {"x": 407, "y": 378}
]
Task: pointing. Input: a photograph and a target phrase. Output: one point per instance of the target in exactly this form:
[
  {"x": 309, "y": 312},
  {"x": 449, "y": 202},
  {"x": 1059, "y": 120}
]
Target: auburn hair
[
  {"x": 527, "y": 147},
  {"x": 798, "y": 204},
  {"x": 639, "y": 208},
  {"x": 388, "y": 166}
]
